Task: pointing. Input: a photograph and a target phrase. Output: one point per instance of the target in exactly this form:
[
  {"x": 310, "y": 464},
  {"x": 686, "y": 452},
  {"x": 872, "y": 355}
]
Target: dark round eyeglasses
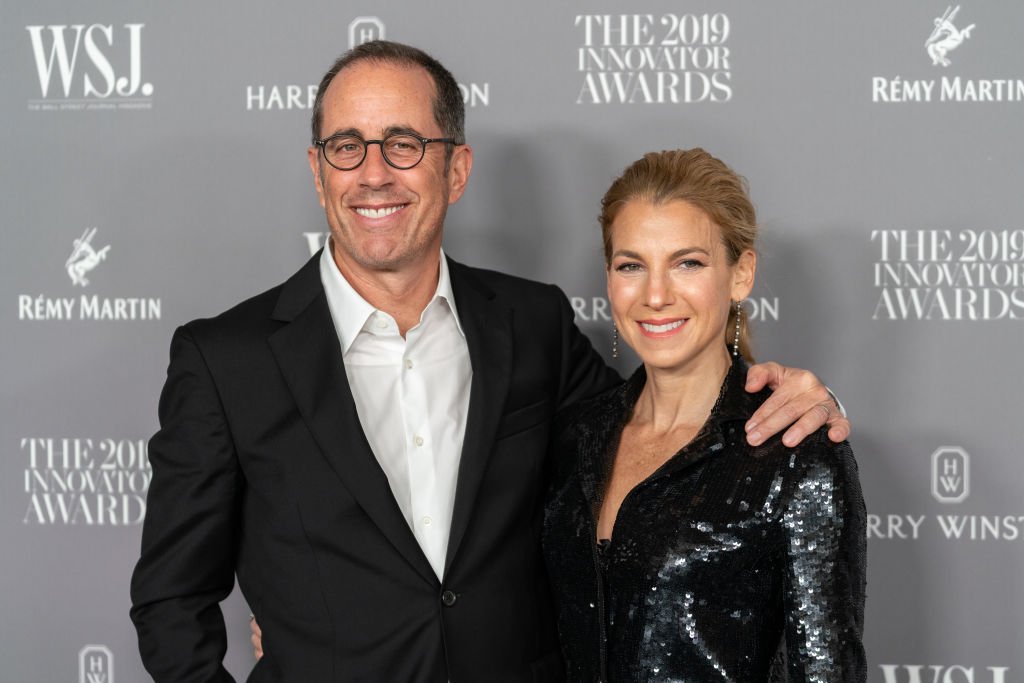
[{"x": 401, "y": 150}]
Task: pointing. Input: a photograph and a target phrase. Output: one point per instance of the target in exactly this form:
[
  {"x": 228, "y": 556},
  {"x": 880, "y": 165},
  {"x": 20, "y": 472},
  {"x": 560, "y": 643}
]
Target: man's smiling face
[{"x": 382, "y": 218}]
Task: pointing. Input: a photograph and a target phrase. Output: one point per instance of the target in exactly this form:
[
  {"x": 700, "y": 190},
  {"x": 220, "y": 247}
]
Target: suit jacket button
[{"x": 448, "y": 598}]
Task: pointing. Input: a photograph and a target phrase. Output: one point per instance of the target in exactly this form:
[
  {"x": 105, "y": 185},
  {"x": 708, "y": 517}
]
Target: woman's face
[{"x": 670, "y": 284}]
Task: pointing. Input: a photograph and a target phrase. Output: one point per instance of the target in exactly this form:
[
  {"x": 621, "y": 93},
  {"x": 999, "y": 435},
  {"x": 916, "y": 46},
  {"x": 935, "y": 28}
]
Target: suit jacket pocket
[{"x": 527, "y": 417}]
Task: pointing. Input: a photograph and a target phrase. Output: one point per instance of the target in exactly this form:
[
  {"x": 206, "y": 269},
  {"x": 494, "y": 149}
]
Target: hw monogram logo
[
  {"x": 95, "y": 664},
  {"x": 950, "y": 474},
  {"x": 59, "y": 47},
  {"x": 363, "y": 30}
]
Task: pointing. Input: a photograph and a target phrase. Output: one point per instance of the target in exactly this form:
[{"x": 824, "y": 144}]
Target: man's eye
[{"x": 402, "y": 145}]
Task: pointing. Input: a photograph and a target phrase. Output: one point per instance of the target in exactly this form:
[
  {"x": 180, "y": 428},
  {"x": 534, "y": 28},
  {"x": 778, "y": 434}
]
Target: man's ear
[{"x": 459, "y": 168}]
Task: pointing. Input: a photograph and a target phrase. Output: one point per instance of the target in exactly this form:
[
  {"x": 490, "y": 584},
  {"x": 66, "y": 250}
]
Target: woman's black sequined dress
[{"x": 718, "y": 558}]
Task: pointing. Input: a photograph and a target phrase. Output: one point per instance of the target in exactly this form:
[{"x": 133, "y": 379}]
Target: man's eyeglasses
[{"x": 402, "y": 151}]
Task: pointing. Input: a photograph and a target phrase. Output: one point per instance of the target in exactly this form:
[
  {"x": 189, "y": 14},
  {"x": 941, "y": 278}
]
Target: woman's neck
[{"x": 675, "y": 398}]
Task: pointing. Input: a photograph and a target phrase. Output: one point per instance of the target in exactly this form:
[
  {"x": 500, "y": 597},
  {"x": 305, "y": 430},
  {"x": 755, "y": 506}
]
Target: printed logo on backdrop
[
  {"x": 275, "y": 97},
  {"x": 363, "y": 30},
  {"x": 92, "y": 67},
  {"x": 79, "y": 481},
  {"x": 951, "y": 471},
  {"x": 946, "y": 37},
  {"x": 597, "y": 308},
  {"x": 315, "y": 241},
  {"x": 950, "y": 483},
  {"x": 950, "y": 34},
  {"x": 971, "y": 274},
  {"x": 85, "y": 258},
  {"x": 95, "y": 664},
  {"x": 937, "y": 673},
  {"x": 654, "y": 59}
]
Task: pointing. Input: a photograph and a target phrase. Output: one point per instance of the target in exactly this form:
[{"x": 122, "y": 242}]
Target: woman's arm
[{"x": 824, "y": 524}]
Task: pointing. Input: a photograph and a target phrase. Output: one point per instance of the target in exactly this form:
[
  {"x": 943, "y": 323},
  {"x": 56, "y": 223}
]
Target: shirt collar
[{"x": 350, "y": 311}]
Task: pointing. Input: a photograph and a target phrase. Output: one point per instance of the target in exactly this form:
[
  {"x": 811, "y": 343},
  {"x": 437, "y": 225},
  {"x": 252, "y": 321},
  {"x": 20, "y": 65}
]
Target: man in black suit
[{"x": 376, "y": 490}]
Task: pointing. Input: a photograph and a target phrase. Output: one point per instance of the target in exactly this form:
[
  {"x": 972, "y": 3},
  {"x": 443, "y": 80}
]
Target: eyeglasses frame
[{"x": 322, "y": 144}]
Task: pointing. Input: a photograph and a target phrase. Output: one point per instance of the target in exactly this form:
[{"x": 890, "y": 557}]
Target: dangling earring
[
  {"x": 615, "y": 341},
  {"x": 736, "y": 338}
]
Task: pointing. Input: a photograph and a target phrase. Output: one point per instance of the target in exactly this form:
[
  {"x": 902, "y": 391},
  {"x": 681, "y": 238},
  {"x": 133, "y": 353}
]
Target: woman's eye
[
  {"x": 627, "y": 267},
  {"x": 691, "y": 264}
]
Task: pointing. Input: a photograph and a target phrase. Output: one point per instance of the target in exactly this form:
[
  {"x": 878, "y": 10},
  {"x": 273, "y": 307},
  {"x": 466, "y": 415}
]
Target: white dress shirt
[{"x": 412, "y": 397}]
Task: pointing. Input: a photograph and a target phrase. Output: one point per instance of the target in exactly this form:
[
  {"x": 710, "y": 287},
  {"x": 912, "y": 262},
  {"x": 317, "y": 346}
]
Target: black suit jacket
[{"x": 261, "y": 468}]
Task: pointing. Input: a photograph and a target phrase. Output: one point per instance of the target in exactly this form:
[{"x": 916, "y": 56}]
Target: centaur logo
[
  {"x": 84, "y": 258},
  {"x": 61, "y": 52},
  {"x": 95, "y": 664},
  {"x": 946, "y": 38},
  {"x": 932, "y": 673}
]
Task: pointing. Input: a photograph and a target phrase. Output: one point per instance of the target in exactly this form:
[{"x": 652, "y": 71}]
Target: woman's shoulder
[{"x": 815, "y": 461}]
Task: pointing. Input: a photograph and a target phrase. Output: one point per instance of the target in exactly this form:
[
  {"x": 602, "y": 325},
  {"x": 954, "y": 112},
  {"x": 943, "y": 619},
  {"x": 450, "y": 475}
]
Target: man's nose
[{"x": 375, "y": 170}]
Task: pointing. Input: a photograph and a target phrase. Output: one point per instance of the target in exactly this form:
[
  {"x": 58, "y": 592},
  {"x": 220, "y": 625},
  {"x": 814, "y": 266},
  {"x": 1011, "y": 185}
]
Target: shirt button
[
  {"x": 448, "y": 598},
  {"x": 408, "y": 363},
  {"x": 418, "y": 440},
  {"x": 427, "y": 521},
  {"x": 382, "y": 323}
]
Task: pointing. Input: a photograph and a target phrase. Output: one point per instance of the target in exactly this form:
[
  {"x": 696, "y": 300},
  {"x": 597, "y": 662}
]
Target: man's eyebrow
[
  {"x": 403, "y": 129},
  {"x": 346, "y": 131}
]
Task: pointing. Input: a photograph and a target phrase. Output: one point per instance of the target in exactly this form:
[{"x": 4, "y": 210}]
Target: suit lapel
[
  {"x": 309, "y": 356},
  {"x": 488, "y": 328}
]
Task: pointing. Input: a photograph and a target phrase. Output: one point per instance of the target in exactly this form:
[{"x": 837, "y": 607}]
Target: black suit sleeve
[
  {"x": 190, "y": 535},
  {"x": 584, "y": 372}
]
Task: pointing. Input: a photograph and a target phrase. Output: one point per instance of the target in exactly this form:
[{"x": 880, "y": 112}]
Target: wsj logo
[
  {"x": 919, "y": 673},
  {"x": 95, "y": 664},
  {"x": 80, "y": 56},
  {"x": 363, "y": 30},
  {"x": 946, "y": 37},
  {"x": 950, "y": 474}
]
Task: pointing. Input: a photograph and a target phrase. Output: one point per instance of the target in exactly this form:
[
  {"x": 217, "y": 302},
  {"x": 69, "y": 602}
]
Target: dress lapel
[
  {"x": 308, "y": 353},
  {"x": 488, "y": 327}
]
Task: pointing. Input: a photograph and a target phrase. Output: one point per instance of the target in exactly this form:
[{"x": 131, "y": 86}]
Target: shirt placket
[{"x": 420, "y": 445}]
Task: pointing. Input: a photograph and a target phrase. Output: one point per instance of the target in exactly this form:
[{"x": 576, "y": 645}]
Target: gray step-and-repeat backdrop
[{"x": 154, "y": 170}]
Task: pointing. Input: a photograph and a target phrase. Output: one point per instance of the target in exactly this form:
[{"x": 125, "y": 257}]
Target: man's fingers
[
  {"x": 805, "y": 426},
  {"x": 839, "y": 428},
  {"x": 256, "y": 637},
  {"x": 763, "y": 375},
  {"x": 772, "y": 417},
  {"x": 257, "y": 646},
  {"x": 779, "y": 411}
]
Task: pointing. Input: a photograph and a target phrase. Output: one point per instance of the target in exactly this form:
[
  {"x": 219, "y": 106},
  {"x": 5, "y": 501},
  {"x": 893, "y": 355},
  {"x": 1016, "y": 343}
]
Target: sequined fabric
[{"x": 727, "y": 564}]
